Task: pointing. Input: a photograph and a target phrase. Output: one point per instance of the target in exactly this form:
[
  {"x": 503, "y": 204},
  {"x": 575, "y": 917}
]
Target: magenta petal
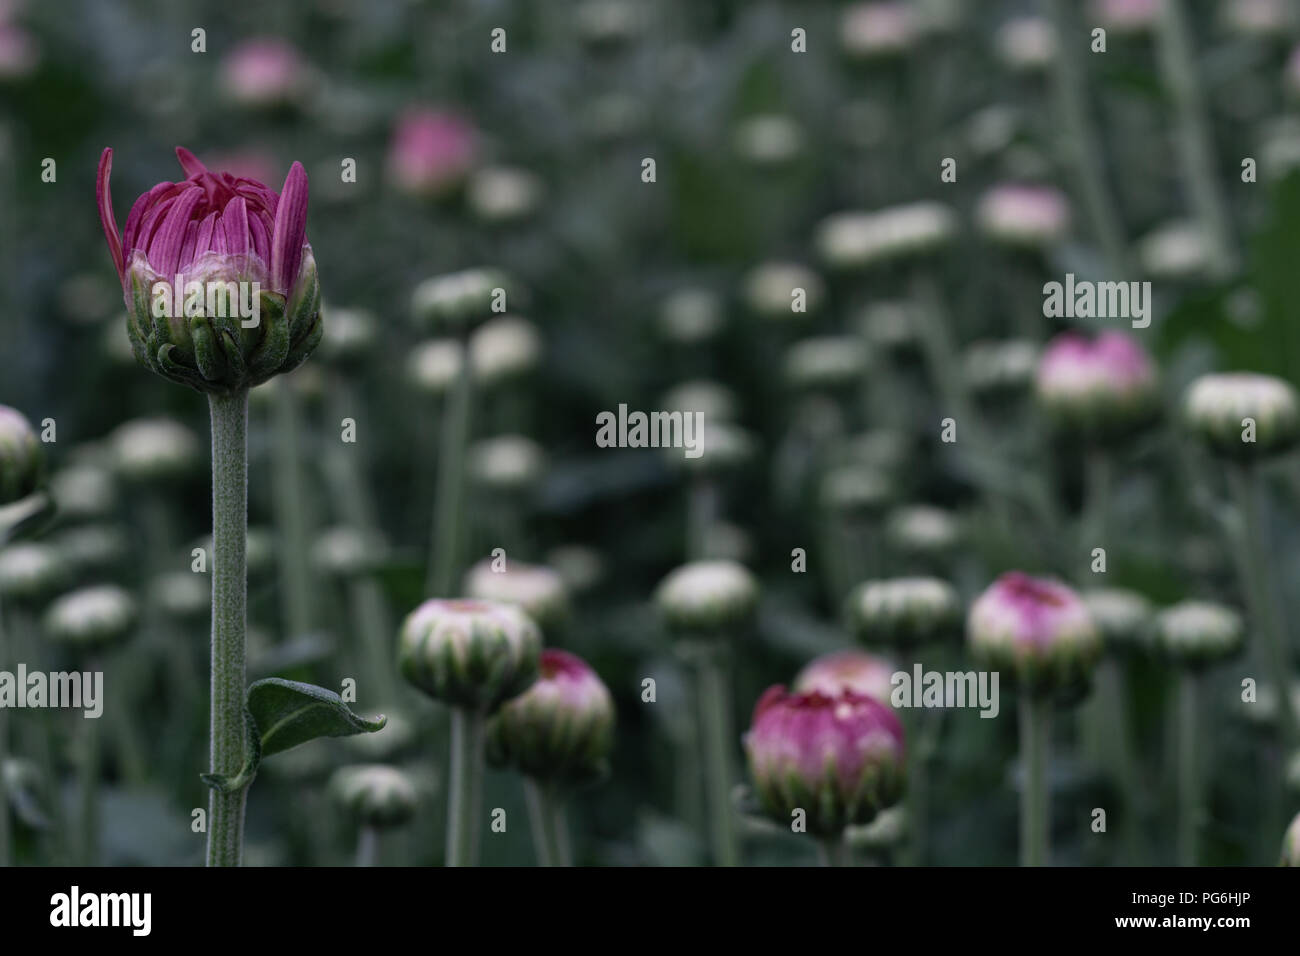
[
  {"x": 106, "y": 210},
  {"x": 259, "y": 230},
  {"x": 134, "y": 234},
  {"x": 189, "y": 162},
  {"x": 234, "y": 219},
  {"x": 165, "y": 247},
  {"x": 203, "y": 238},
  {"x": 187, "y": 245},
  {"x": 290, "y": 230}
]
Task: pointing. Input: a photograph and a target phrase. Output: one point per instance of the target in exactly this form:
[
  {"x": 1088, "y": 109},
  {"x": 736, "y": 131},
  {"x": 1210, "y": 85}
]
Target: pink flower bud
[
  {"x": 431, "y": 152},
  {"x": 262, "y": 72},
  {"x": 858, "y": 671},
  {"x": 1037, "y": 629},
  {"x": 838, "y": 758},
  {"x": 1103, "y": 387}
]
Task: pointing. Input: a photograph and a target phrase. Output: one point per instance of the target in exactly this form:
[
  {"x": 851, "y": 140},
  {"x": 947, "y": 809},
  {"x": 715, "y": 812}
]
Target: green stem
[
  {"x": 448, "y": 530},
  {"x": 370, "y": 614},
  {"x": 1113, "y": 701},
  {"x": 290, "y": 512},
  {"x": 830, "y": 851},
  {"x": 1083, "y": 148},
  {"x": 715, "y": 730},
  {"x": 467, "y": 734},
  {"x": 701, "y": 515},
  {"x": 541, "y": 816},
  {"x": 563, "y": 844},
  {"x": 229, "y": 620},
  {"x": 1177, "y": 63},
  {"x": 1035, "y": 727},
  {"x": 367, "y": 846},
  {"x": 1255, "y": 566},
  {"x": 1189, "y": 795},
  {"x": 89, "y": 790}
]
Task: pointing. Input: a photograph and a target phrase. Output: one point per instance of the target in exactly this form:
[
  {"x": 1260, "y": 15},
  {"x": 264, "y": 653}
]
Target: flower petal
[
  {"x": 189, "y": 162},
  {"x": 290, "y": 230},
  {"x": 106, "y": 210},
  {"x": 234, "y": 219}
]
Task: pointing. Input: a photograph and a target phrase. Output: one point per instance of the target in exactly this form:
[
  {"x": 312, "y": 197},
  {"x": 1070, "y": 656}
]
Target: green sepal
[
  {"x": 25, "y": 517},
  {"x": 207, "y": 350},
  {"x": 270, "y": 354}
]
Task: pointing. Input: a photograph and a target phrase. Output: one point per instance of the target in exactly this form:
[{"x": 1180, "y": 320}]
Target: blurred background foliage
[{"x": 584, "y": 92}]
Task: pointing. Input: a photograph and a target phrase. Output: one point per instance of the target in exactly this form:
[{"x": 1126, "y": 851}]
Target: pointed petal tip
[
  {"x": 189, "y": 162},
  {"x": 105, "y": 201}
]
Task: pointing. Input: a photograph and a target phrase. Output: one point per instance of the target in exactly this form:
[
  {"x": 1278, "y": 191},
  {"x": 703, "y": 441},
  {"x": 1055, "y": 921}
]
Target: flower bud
[
  {"x": 434, "y": 366},
  {"x": 878, "y": 30},
  {"x": 580, "y": 567},
  {"x": 218, "y": 278},
  {"x": 1124, "y": 618},
  {"x": 154, "y": 450},
  {"x": 182, "y": 595},
  {"x": 1176, "y": 250},
  {"x": 469, "y": 653},
  {"x": 83, "y": 491},
  {"x": 691, "y": 316},
  {"x": 886, "y": 831},
  {"x": 506, "y": 464},
  {"x": 856, "y": 491},
  {"x": 1127, "y": 17},
  {"x": 539, "y": 590},
  {"x": 21, "y": 461},
  {"x": 1243, "y": 416},
  {"x": 1026, "y": 44},
  {"x": 707, "y": 597},
  {"x": 724, "y": 447},
  {"x": 504, "y": 194},
  {"x": 1291, "y": 844},
  {"x": 377, "y": 795},
  {"x": 922, "y": 531},
  {"x": 1103, "y": 388},
  {"x": 839, "y": 759},
  {"x": 504, "y": 349},
  {"x": 826, "y": 362},
  {"x": 857, "y": 240},
  {"x": 348, "y": 552},
  {"x": 891, "y": 327},
  {"x": 1001, "y": 370},
  {"x": 1024, "y": 216},
  {"x": 92, "y": 618},
  {"x": 770, "y": 288},
  {"x": 560, "y": 728},
  {"x": 431, "y": 152},
  {"x": 905, "y": 612},
  {"x": 263, "y": 73},
  {"x": 1036, "y": 629},
  {"x": 863, "y": 673},
  {"x": 1257, "y": 18},
  {"x": 30, "y": 571},
  {"x": 768, "y": 140},
  {"x": 457, "y": 300},
  {"x": 1198, "y": 633},
  {"x": 714, "y": 401},
  {"x": 349, "y": 337}
]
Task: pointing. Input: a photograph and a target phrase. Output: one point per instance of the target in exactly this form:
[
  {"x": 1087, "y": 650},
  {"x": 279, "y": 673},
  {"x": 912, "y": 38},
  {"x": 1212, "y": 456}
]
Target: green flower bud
[
  {"x": 348, "y": 552},
  {"x": 826, "y": 362},
  {"x": 457, "y": 300},
  {"x": 561, "y": 728},
  {"x": 377, "y": 795},
  {"x": 539, "y": 590},
  {"x": 768, "y": 141},
  {"x": 434, "y": 366},
  {"x": 1124, "y": 618},
  {"x": 771, "y": 288},
  {"x": 183, "y": 595},
  {"x": 468, "y": 653},
  {"x": 1291, "y": 844},
  {"x": 506, "y": 464},
  {"x": 922, "y": 531},
  {"x": 504, "y": 194},
  {"x": 723, "y": 447},
  {"x": 580, "y": 567},
  {"x": 1199, "y": 633},
  {"x": 691, "y": 316},
  {"x": 83, "y": 491},
  {"x": 154, "y": 449},
  {"x": 1242, "y": 415},
  {"x": 905, "y": 612},
  {"x": 30, "y": 571},
  {"x": 714, "y": 401},
  {"x": 21, "y": 461},
  {"x": 349, "y": 337},
  {"x": 856, "y": 490},
  {"x": 504, "y": 349},
  {"x": 92, "y": 618},
  {"x": 997, "y": 371},
  {"x": 707, "y": 597}
]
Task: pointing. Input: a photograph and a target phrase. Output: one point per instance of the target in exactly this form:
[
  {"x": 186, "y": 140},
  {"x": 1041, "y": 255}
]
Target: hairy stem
[
  {"x": 467, "y": 729},
  {"x": 229, "y": 620},
  {"x": 715, "y": 720}
]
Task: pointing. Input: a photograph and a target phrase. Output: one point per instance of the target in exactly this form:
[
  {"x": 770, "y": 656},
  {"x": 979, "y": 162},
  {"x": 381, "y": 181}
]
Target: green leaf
[
  {"x": 289, "y": 713},
  {"x": 282, "y": 714}
]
